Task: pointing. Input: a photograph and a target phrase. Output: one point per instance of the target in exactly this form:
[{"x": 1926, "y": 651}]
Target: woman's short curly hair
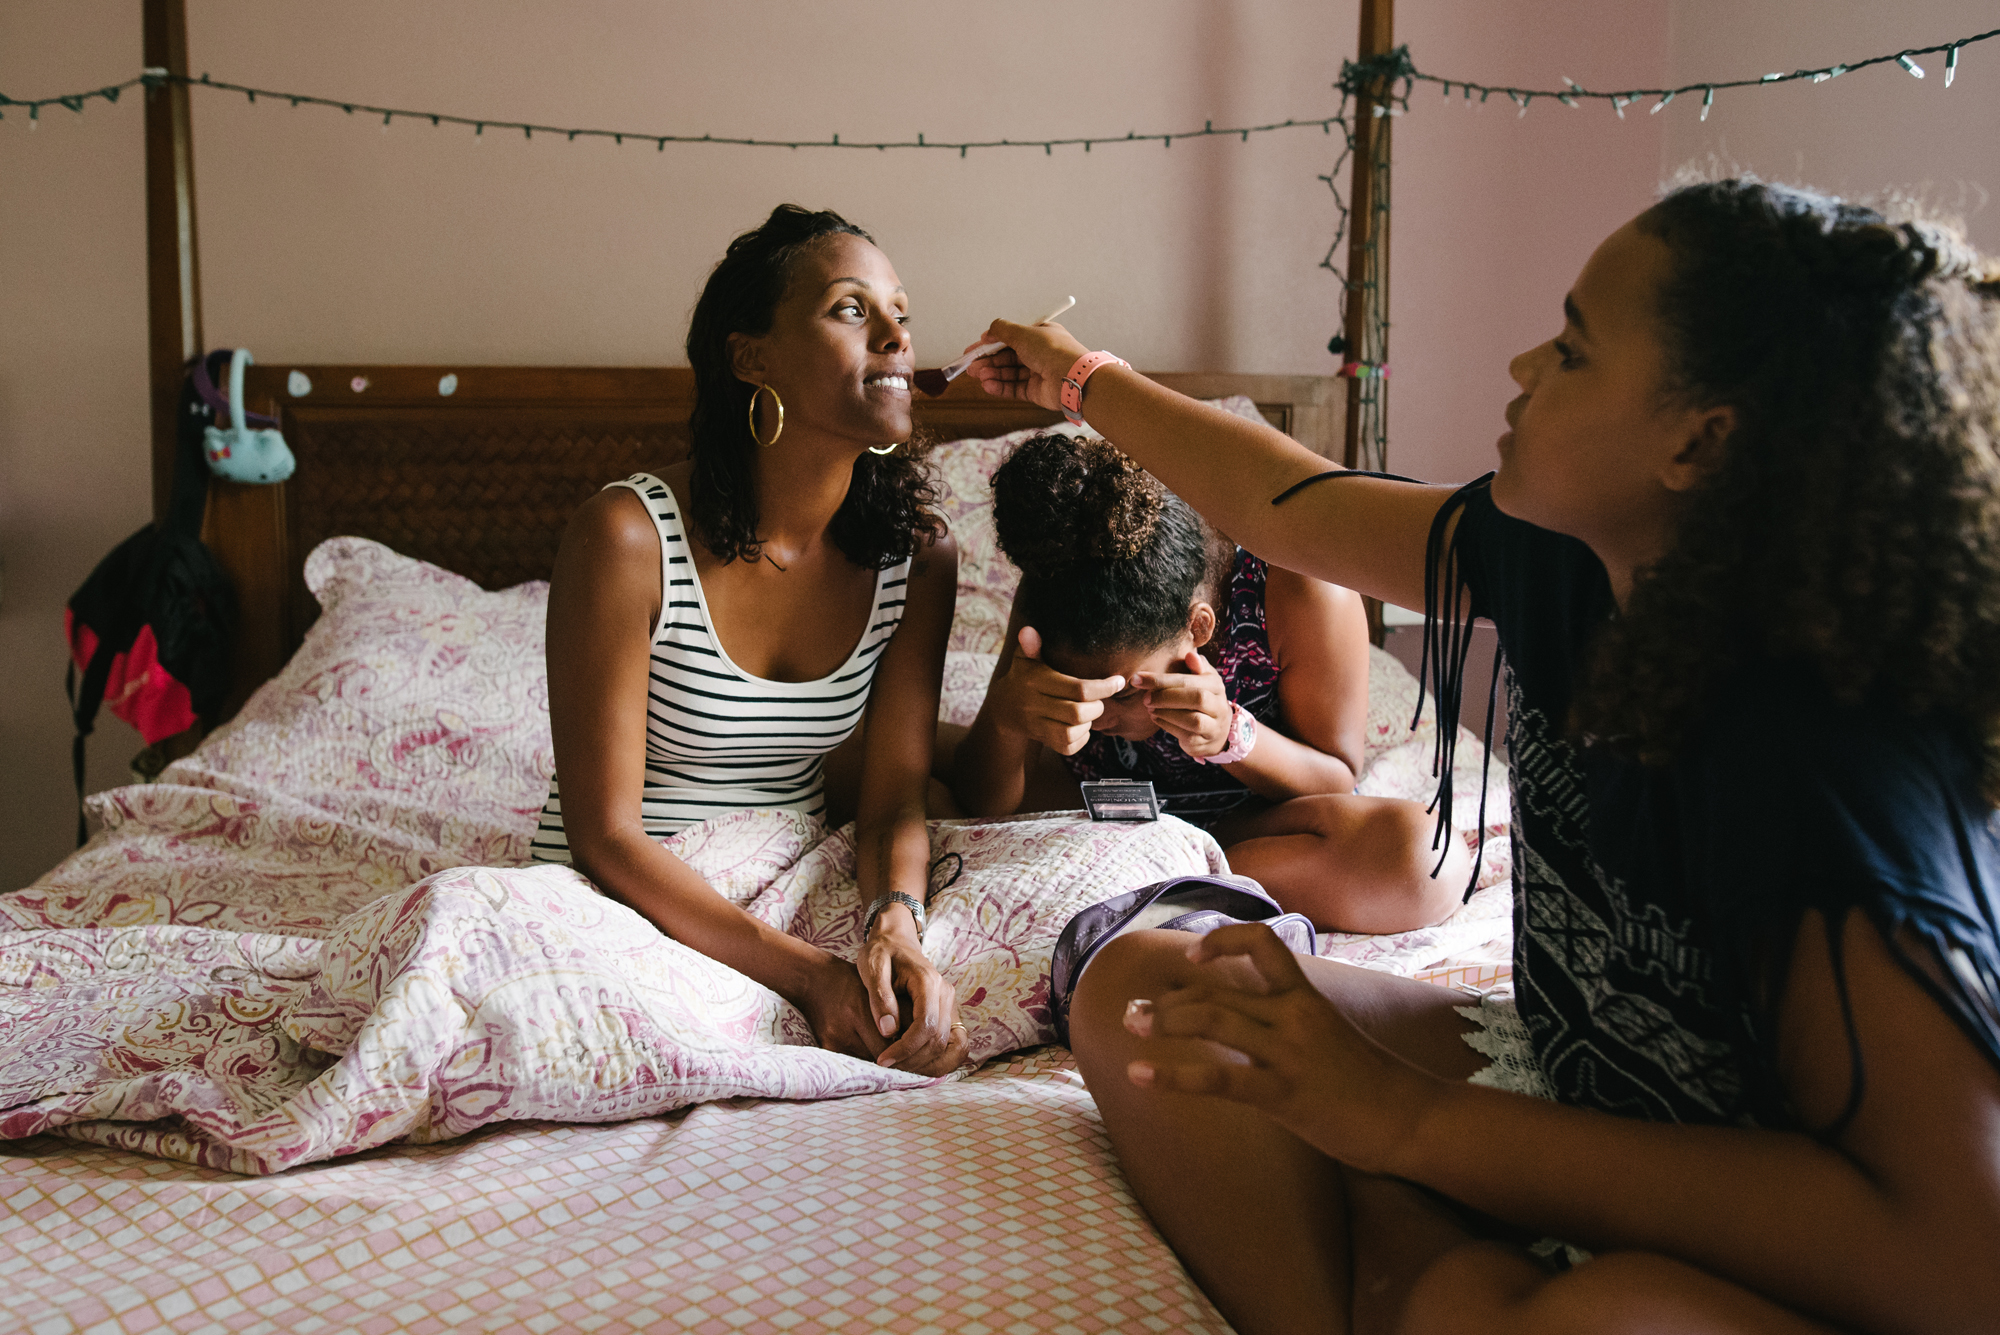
[
  {"x": 888, "y": 511},
  {"x": 1853, "y": 525},
  {"x": 1109, "y": 558}
]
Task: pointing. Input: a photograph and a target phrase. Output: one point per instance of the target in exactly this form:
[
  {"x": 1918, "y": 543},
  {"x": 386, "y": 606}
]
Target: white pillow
[{"x": 418, "y": 701}]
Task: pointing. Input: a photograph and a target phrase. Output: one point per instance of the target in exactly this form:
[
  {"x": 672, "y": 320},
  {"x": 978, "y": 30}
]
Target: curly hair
[
  {"x": 888, "y": 509},
  {"x": 1109, "y": 558},
  {"x": 1853, "y": 525}
]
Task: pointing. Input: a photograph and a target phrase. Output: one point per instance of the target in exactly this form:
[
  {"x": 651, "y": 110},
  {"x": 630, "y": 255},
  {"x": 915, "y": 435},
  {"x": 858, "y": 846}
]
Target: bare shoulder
[
  {"x": 613, "y": 524},
  {"x": 935, "y": 559},
  {"x": 1925, "y": 1122},
  {"x": 1291, "y": 591},
  {"x": 1301, "y": 609},
  {"x": 1900, "y": 1027},
  {"x": 610, "y": 556}
]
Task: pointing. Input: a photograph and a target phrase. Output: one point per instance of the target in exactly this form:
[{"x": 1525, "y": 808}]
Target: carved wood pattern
[{"x": 483, "y": 481}]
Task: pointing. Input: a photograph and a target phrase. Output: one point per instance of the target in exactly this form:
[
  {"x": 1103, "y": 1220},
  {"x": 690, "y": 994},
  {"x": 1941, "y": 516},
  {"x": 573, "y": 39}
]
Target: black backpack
[{"x": 151, "y": 631}]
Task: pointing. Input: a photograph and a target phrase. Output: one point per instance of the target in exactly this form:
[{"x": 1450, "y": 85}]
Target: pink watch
[
  {"x": 1242, "y": 736},
  {"x": 1072, "y": 385}
]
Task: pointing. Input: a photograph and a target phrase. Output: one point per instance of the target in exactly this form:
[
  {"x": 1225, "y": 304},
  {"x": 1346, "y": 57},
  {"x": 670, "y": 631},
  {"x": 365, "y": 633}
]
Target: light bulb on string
[{"x": 1386, "y": 103}]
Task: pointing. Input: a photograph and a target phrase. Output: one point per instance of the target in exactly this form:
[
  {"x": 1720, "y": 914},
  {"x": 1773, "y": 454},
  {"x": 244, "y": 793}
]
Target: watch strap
[
  {"x": 1242, "y": 736},
  {"x": 889, "y": 900},
  {"x": 1072, "y": 385}
]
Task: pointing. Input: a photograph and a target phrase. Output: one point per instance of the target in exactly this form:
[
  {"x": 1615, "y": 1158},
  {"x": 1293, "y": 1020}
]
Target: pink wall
[
  {"x": 73, "y": 414},
  {"x": 1873, "y": 130},
  {"x": 324, "y": 238},
  {"x": 1495, "y": 213}
]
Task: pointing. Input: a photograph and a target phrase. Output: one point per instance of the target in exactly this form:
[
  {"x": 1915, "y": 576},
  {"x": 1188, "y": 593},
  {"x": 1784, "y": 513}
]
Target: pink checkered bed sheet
[{"x": 990, "y": 1204}]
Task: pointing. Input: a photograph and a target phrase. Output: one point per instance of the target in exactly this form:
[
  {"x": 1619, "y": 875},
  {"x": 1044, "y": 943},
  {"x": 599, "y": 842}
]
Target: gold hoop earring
[
  {"x": 886, "y": 449},
  {"x": 767, "y": 444}
]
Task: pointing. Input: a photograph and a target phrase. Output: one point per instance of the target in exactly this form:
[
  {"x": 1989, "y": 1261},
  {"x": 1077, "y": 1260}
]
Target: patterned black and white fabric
[
  {"x": 717, "y": 738},
  {"x": 1656, "y": 906}
]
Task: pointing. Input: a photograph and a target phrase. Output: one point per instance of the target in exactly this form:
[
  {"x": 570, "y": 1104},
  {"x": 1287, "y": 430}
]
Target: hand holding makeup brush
[
  {"x": 936, "y": 382},
  {"x": 1031, "y": 363}
]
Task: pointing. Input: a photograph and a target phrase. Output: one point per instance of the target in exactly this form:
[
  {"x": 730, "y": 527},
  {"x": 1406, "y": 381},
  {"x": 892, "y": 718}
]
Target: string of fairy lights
[
  {"x": 1387, "y": 80},
  {"x": 1572, "y": 94},
  {"x": 1364, "y": 350}
]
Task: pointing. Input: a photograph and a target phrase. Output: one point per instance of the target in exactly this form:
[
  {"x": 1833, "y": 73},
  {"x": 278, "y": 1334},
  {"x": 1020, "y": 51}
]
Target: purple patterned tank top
[{"x": 1240, "y": 652}]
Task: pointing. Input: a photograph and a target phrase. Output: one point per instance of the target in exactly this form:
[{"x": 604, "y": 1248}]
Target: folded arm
[
  {"x": 604, "y": 599},
  {"x": 892, "y": 837}
]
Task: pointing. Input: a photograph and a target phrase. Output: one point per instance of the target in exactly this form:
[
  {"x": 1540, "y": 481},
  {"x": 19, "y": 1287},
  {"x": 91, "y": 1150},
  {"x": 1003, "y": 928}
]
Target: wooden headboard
[{"x": 478, "y": 469}]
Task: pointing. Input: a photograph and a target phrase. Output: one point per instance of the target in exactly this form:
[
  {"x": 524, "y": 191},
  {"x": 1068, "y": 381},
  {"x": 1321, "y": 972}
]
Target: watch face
[{"x": 1242, "y": 736}]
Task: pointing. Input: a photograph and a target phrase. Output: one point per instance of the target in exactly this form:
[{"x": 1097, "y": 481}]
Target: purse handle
[
  {"x": 233, "y": 405},
  {"x": 237, "y": 361}
]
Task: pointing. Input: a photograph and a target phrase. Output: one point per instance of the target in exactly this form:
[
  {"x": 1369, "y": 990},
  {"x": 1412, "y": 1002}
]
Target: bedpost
[
  {"x": 173, "y": 266},
  {"x": 1367, "y": 229},
  {"x": 1368, "y": 243}
]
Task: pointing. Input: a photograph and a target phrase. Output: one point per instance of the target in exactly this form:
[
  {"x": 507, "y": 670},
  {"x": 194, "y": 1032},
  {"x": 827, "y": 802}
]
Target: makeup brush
[{"x": 933, "y": 382}]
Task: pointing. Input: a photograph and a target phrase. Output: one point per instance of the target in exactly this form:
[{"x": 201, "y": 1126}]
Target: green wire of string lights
[
  {"x": 1571, "y": 95},
  {"x": 1364, "y": 352},
  {"x": 528, "y": 129}
]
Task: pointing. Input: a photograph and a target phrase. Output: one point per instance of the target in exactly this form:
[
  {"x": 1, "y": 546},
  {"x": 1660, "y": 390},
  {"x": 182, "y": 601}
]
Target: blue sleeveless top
[{"x": 1656, "y": 906}]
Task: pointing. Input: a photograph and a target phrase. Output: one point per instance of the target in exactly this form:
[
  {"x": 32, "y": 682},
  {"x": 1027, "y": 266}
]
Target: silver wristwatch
[{"x": 888, "y": 900}]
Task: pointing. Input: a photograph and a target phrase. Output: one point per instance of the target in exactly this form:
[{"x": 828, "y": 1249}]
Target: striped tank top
[{"x": 717, "y": 738}]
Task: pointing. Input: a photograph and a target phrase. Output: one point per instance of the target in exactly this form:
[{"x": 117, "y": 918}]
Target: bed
[{"x": 299, "y": 1042}]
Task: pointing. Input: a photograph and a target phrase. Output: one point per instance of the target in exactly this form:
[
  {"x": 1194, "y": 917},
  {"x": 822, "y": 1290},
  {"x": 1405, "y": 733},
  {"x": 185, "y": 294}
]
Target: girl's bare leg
[
  {"x": 1499, "y": 1289},
  {"x": 1258, "y": 1217},
  {"x": 1351, "y": 864},
  {"x": 1282, "y": 1238}
]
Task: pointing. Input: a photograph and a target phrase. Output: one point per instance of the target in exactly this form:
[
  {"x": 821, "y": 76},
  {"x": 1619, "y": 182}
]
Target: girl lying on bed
[
  {"x": 1743, "y": 551},
  {"x": 716, "y": 630},
  {"x": 1151, "y": 647}
]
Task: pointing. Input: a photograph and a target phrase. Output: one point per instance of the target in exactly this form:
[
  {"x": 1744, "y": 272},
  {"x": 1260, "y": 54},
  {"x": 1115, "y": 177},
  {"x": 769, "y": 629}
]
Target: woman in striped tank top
[{"x": 716, "y": 630}]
